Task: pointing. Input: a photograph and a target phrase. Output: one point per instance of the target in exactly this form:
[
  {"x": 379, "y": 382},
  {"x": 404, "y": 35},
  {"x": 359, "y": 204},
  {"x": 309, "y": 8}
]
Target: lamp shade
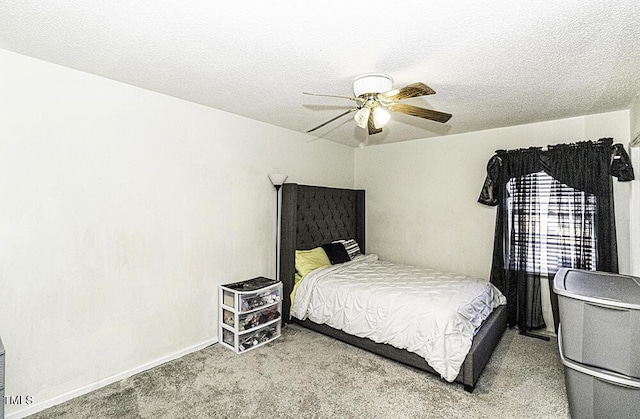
[
  {"x": 381, "y": 117},
  {"x": 277, "y": 179},
  {"x": 362, "y": 116}
]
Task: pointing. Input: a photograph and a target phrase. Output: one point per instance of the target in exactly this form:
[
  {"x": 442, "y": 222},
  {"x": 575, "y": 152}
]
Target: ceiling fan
[{"x": 373, "y": 95}]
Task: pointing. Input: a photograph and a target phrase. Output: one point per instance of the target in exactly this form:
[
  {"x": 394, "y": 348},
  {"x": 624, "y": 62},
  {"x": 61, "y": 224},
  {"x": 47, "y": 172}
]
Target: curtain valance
[{"x": 597, "y": 161}]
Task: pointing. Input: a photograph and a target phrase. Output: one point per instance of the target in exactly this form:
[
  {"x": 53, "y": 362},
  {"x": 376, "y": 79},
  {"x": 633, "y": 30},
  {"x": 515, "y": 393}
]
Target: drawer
[
  {"x": 597, "y": 393},
  {"x": 258, "y": 337},
  {"x": 600, "y": 318},
  {"x": 249, "y": 301},
  {"x": 252, "y": 319},
  {"x": 257, "y": 318},
  {"x": 228, "y": 337},
  {"x": 228, "y": 318},
  {"x": 253, "y": 301}
]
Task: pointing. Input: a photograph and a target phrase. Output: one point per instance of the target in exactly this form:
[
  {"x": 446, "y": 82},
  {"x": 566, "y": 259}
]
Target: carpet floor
[{"x": 304, "y": 374}]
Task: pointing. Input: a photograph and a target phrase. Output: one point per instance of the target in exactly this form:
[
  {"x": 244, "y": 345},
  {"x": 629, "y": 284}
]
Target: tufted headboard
[{"x": 311, "y": 217}]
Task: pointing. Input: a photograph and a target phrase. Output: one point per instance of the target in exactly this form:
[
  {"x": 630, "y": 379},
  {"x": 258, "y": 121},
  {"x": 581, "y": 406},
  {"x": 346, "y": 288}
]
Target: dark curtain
[
  {"x": 585, "y": 166},
  {"x": 523, "y": 263}
]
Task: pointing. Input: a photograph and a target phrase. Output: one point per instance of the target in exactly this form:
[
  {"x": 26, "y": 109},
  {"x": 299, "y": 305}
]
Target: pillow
[
  {"x": 351, "y": 246},
  {"x": 310, "y": 260},
  {"x": 336, "y": 253}
]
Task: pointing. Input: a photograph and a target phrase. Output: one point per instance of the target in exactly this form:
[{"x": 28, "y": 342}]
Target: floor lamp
[{"x": 277, "y": 180}]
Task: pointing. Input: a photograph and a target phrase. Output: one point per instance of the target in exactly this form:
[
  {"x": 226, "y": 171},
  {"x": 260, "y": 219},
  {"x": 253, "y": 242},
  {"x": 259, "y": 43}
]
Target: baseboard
[{"x": 105, "y": 382}]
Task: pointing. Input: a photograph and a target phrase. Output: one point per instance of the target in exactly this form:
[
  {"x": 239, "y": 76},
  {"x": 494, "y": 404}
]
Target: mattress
[{"x": 424, "y": 311}]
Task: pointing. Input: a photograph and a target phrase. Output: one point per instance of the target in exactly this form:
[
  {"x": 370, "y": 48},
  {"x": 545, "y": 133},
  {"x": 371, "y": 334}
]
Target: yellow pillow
[
  {"x": 298, "y": 279},
  {"x": 309, "y": 260}
]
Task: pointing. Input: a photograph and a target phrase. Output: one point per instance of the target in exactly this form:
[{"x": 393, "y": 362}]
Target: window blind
[{"x": 552, "y": 223}]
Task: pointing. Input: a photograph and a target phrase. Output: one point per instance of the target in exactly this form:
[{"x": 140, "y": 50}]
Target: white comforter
[{"x": 421, "y": 310}]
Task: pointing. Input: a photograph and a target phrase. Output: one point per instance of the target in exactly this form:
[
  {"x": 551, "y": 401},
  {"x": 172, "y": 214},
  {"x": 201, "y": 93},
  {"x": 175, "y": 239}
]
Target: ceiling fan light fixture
[
  {"x": 373, "y": 97},
  {"x": 380, "y": 117},
  {"x": 372, "y": 83},
  {"x": 362, "y": 116}
]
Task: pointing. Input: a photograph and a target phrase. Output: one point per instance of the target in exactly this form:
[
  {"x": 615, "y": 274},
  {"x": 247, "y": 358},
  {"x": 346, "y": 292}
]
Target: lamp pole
[{"x": 278, "y": 180}]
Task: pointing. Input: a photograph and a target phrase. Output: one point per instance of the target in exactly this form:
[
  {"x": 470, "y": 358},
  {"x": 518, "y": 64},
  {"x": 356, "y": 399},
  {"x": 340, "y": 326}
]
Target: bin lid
[
  {"x": 252, "y": 284},
  {"x": 598, "y": 287}
]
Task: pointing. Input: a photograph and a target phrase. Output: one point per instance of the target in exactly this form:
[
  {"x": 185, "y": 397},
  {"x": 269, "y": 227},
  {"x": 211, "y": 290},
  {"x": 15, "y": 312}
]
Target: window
[{"x": 551, "y": 225}]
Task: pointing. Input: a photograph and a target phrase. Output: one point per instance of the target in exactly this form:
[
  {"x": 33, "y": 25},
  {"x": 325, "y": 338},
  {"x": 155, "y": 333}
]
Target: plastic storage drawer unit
[
  {"x": 600, "y": 317},
  {"x": 250, "y": 313},
  {"x": 596, "y": 393},
  {"x": 1, "y": 379}
]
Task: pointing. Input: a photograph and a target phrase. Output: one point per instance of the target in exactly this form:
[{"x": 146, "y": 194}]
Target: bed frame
[{"x": 314, "y": 215}]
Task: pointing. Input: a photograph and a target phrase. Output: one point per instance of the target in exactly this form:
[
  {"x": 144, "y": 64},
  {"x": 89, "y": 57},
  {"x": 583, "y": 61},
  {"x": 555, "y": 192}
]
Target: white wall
[
  {"x": 634, "y": 152},
  {"x": 634, "y": 229},
  {"x": 634, "y": 117},
  {"x": 121, "y": 210},
  {"x": 422, "y": 195}
]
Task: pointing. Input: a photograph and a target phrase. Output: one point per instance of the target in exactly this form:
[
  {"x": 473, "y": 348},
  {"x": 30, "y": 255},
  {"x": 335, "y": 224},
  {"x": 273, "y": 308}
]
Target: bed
[{"x": 313, "y": 216}]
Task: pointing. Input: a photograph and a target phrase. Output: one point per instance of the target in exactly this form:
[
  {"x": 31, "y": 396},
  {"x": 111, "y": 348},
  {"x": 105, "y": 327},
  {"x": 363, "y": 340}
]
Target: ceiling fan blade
[
  {"x": 332, "y": 119},
  {"x": 412, "y": 90},
  {"x": 338, "y": 96},
  {"x": 372, "y": 126},
  {"x": 420, "y": 112}
]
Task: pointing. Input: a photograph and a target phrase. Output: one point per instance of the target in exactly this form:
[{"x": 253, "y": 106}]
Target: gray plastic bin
[
  {"x": 600, "y": 317},
  {"x": 596, "y": 393}
]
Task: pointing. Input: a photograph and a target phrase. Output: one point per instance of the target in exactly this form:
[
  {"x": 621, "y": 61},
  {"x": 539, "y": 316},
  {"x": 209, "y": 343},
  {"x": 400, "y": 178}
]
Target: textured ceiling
[{"x": 492, "y": 63}]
